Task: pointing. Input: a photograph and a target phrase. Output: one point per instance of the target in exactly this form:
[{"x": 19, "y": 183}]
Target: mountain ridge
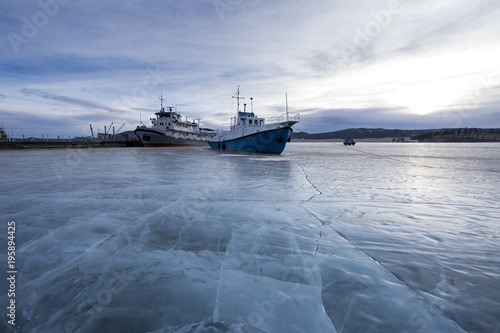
[
  {"x": 431, "y": 135},
  {"x": 360, "y": 133}
]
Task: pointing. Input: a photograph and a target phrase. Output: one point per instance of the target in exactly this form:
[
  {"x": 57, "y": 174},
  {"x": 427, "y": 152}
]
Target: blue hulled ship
[{"x": 251, "y": 133}]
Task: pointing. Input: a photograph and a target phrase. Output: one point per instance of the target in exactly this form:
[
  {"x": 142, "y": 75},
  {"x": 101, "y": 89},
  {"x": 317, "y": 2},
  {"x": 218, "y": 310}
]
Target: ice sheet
[{"x": 323, "y": 238}]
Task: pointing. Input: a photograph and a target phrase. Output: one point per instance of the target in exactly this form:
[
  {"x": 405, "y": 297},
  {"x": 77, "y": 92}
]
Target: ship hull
[
  {"x": 270, "y": 141},
  {"x": 152, "y": 138}
]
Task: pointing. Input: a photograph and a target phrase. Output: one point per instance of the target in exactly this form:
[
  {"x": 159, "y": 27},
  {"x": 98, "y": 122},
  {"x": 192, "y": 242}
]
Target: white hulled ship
[
  {"x": 3, "y": 135},
  {"x": 170, "y": 130}
]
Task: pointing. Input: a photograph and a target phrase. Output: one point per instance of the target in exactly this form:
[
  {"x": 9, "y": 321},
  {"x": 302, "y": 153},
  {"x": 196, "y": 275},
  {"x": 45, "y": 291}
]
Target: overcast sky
[{"x": 403, "y": 64}]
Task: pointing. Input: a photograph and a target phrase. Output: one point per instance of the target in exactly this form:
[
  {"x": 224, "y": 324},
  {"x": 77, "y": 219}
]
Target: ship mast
[
  {"x": 286, "y": 101},
  {"x": 238, "y": 99},
  {"x": 161, "y": 101}
]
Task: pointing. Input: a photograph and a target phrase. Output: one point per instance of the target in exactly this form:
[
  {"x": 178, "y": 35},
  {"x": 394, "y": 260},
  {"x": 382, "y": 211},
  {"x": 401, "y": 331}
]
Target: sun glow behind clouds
[
  {"x": 426, "y": 97},
  {"x": 426, "y": 84}
]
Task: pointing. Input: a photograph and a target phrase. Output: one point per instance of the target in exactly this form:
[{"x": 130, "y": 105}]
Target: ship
[
  {"x": 250, "y": 133},
  {"x": 170, "y": 130},
  {"x": 3, "y": 135}
]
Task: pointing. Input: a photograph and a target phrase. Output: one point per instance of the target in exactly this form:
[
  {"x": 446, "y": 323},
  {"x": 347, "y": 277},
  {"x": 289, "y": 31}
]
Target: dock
[{"x": 20, "y": 144}]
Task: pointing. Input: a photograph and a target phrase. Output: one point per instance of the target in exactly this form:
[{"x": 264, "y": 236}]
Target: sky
[{"x": 396, "y": 64}]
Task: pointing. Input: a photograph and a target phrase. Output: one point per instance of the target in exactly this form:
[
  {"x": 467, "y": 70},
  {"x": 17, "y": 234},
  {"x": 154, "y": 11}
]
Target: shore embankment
[{"x": 66, "y": 144}]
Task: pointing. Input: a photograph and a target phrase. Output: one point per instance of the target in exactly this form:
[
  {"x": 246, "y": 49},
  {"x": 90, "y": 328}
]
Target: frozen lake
[{"x": 380, "y": 237}]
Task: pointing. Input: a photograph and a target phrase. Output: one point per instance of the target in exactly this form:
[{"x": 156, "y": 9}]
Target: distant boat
[
  {"x": 169, "y": 130},
  {"x": 251, "y": 133}
]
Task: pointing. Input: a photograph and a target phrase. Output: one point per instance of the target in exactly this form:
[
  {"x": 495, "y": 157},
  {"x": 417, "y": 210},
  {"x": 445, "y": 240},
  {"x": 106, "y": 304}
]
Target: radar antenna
[
  {"x": 238, "y": 99},
  {"x": 161, "y": 101}
]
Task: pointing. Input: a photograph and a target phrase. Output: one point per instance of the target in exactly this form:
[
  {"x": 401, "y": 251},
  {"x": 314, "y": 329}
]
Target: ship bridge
[
  {"x": 170, "y": 113},
  {"x": 249, "y": 118}
]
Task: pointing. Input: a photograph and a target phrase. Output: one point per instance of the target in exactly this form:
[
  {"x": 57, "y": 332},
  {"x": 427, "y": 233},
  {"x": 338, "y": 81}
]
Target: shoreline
[{"x": 19, "y": 145}]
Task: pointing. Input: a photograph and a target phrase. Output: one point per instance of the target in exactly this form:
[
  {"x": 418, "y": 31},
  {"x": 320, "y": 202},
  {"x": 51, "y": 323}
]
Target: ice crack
[
  {"x": 310, "y": 212},
  {"x": 309, "y": 181},
  {"x": 390, "y": 158},
  {"x": 317, "y": 240}
]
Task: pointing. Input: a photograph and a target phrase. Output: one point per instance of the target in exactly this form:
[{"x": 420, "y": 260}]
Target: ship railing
[{"x": 284, "y": 117}]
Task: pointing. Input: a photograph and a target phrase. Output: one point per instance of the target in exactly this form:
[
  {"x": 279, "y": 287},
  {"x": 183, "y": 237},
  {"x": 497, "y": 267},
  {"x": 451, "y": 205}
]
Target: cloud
[
  {"x": 21, "y": 124},
  {"x": 327, "y": 120},
  {"x": 68, "y": 100},
  {"x": 93, "y": 58}
]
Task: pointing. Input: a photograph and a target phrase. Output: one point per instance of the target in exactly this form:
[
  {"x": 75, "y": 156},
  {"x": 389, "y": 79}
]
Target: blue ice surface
[{"x": 386, "y": 237}]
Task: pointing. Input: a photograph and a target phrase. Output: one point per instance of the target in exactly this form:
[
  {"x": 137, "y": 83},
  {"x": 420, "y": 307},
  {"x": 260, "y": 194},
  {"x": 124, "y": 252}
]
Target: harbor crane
[
  {"x": 109, "y": 128},
  {"x": 118, "y": 131}
]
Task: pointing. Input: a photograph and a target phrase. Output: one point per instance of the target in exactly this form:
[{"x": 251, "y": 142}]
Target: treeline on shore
[{"x": 459, "y": 135}]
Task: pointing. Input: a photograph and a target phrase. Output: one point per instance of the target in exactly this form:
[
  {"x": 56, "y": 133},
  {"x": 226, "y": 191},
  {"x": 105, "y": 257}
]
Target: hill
[
  {"x": 424, "y": 135},
  {"x": 360, "y": 133}
]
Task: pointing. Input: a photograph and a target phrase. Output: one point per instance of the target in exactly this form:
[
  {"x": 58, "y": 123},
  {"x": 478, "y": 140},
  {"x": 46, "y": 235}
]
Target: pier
[{"x": 20, "y": 144}]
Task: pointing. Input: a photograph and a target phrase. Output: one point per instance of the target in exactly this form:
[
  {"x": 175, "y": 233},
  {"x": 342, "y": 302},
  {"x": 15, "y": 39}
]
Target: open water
[{"x": 380, "y": 237}]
